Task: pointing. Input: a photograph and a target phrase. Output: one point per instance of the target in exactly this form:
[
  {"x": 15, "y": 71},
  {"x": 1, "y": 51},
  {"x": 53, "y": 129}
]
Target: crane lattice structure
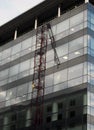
[{"x": 43, "y": 35}]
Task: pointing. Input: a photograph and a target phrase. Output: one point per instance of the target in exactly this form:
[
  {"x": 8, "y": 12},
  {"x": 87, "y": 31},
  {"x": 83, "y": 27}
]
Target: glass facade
[
  {"x": 90, "y": 109},
  {"x": 55, "y": 111},
  {"x": 74, "y": 45}
]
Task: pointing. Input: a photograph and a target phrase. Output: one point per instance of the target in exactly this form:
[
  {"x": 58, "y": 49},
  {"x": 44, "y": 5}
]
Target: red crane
[{"x": 43, "y": 34}]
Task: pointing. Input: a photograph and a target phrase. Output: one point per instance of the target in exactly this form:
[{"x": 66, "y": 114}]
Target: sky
[{"x": 10, "y": 9}]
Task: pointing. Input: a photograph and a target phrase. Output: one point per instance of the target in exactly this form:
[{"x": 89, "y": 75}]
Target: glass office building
[{"x": 69, "y": 89}]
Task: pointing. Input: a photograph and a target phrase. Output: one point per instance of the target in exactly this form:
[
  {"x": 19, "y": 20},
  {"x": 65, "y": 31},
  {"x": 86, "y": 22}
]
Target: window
[
  {"x": 6, "y": 53},
  {"x": 60, "y": 76},
  {"x": 60, "y": 86},
  {"x": 14, "y": 117},
  {"x": 76, "y": 19},
  {"x": 16, "y": 48},
  {"x": 92, "y": 42},
  {"x": 75, "y": 82},
  {"x": 48, "y": 119},
  {"x": 59, "y": 116},
  {"x": 50, "y": 55},
  {"x": 60, "y": 106},
  {"x": 76, "y": 44},
  {"x": 63, "y": 26},
  {"x": 76, "y": 54},
  {"x": 72, "y": 102},
  {"x": 1, "y": 120},
  {"x": 32, "y": 63},
  {"x": 14, "y": 70},
  {"x": 25, "y": 65},
  {"x": 26, "y": 43},
  {"x": 75, "y": 71},
  {"x": 54, "y": 29},
  {"x": 60, "y": 128},
  {"x": 13, "y": 127},
  {"x": 33, "y": 41},
  {"x": 11, "y": 93},
  {"x": 2, "y": 96},
  {"x": 62, "y": 50},
  {"x": 72, "y": 124},
  {"x": 4, "y": 74},
  {"x": 22, "y": 90},
  {"x": 91, "y": 69},
  {"x": 72, "y": 114},
  {"x": 85, "y": 99},
  {"x": 49, "y": 80},
  {"x": 49, "y": 108}
]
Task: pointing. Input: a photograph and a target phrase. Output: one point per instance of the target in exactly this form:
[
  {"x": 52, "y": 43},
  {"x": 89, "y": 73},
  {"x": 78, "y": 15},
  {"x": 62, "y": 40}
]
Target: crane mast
[{"x": 38, "y": 84}]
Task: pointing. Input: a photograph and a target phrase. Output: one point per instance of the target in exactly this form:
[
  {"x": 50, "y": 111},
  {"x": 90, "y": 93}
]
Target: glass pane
[
  {"x": 33, "y": 41},
  {"x": 76, "y": 19},
  {"x": 76, "y": 44},
  {"x": 25, "y": 65},
  {"x": 32, "y": 63},
  {"x": 11, "y": 93},
  {"x": 60, "y": 76},
  {"x": 62, "y": 26},
  {"x": 75, "y": 71},
  {"x": 14, "y": 70},
  {"x": 60, "y": 86},
  {"x": 4, "y": 74},
  {"x": 75, "y": 82},
  {"x": 49, "y": 80},
  {"x": 62, "y": 50},
  {"x": 26, "y": 43},
  {"x": 76, "y": 54},
  {"x": 50, "y": 55},
  {"x": 2, "y": 96},
  {"x": 16, "y": 48},
  {"x": 6, "y": 53},
  {"x": 22, "y": 90}
]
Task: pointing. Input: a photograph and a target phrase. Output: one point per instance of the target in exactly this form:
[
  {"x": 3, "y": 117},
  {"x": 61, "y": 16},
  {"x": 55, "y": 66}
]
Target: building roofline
[{"x": 25, "y": 22}]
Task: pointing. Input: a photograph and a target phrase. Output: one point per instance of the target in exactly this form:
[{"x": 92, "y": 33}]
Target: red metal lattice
[
  {"x": 39, "y": 70},
  {"x": 39, "y": 73}
]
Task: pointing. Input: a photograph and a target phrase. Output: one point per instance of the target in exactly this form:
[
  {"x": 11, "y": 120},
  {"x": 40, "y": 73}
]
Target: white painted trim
[
  {"x": 36, "y": 23},
  {"x": 59, "y": 11},
  {"x": 15, "y": 35}
]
